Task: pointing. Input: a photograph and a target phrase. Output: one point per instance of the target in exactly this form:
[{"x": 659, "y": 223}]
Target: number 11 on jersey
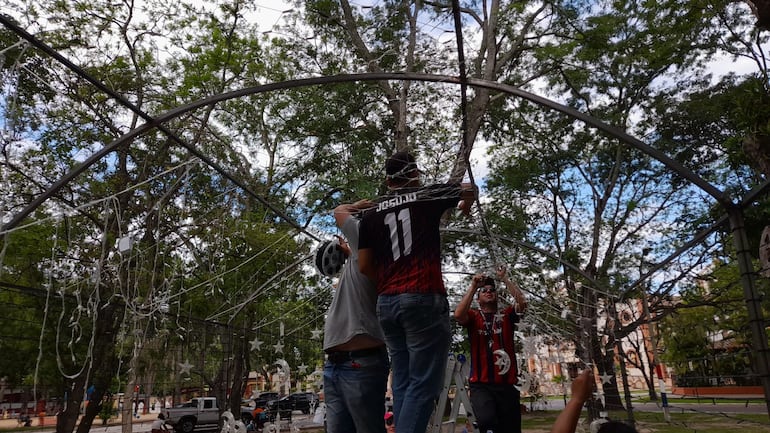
[{"x": 400, "y": 240}]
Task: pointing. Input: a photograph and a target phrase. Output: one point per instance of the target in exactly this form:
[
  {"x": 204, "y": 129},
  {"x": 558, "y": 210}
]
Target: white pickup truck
[{"x": 200, "y": 413}]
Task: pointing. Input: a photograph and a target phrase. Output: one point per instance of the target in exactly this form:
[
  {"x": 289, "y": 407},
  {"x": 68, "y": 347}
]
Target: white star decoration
[
  {"x": 185, "y": 367},
  {"x": 256, "y": 343},
  {"x": 524, "y": 382},
  {"x": 278, "y": 347},
  {"x": 316, "y": 334},
  {"x": 529, "y": 346},
  {"x": 302, "y": 368},
  {"x": 606, "y": 378}
]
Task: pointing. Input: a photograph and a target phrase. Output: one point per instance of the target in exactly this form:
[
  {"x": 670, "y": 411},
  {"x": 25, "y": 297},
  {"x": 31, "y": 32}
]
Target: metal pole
[
  {"x": 655, "y": 368},
  {"x": 650, "y": 353},
  {"x": 623, "y": 371},
  {"x": 663, "y": 398},
  {"x": 752, "y": 298}
]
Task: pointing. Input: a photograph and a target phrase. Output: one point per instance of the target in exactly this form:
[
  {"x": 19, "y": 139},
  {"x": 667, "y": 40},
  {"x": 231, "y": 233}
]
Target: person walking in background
[
  {"x": 400, "y": 250},
  {"x": 357, "y": 366},
  {"x": 493, "y": 373},
  {"x": 258, "y": 417}
]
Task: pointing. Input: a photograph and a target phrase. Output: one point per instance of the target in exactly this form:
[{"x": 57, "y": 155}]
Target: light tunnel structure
[{"x": 733, "y": 207}]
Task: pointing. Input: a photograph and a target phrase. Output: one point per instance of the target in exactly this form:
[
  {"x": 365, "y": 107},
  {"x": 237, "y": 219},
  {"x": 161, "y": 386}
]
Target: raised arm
[
  {"x": 344, "y": 211},
  {"x": 582, "y": 388},
  {"x": 365, "y": 258},
  {"x": 461, "y": 312},
  {"x": 513, "y": 289},
  {"x": 467, "y": 197}
]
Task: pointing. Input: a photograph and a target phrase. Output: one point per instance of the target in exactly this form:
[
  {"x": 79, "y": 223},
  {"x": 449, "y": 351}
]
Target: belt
[{"x": 337, "y": 357}]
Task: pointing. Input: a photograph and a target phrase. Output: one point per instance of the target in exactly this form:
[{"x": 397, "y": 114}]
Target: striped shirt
[{"x": 499, "y": 327}]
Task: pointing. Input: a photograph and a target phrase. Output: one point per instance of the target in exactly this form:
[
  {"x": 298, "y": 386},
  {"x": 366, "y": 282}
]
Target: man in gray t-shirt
[{"x": 357, "y": 366}]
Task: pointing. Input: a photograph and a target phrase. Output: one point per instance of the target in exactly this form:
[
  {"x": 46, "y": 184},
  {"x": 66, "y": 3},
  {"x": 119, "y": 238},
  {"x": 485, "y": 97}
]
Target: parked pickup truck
[{"x": 199, "y": 412}]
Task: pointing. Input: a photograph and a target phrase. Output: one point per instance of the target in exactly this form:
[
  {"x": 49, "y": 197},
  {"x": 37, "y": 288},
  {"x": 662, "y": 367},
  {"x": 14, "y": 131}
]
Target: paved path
[
  {"x": 708, "y": 404},
  {"x": 139, "y": 425},
  {"x": 711, "y": 404}
]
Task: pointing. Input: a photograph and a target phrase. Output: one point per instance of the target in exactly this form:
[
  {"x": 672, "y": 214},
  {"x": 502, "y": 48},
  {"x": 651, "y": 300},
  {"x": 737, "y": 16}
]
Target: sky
[{"x": 270, "y": 12}]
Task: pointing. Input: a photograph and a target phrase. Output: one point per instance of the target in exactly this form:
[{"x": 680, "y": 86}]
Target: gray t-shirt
[{"x": 354, "y": 305}]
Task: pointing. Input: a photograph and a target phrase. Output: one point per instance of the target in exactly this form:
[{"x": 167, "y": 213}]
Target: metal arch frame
[
  {"x": 159, "y": 121},
  {"x": 462, "y": 81},
  {"x": 151, "y": 122}
]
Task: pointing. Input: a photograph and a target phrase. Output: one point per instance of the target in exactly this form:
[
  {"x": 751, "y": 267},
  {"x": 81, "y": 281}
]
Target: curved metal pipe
[
  {"x": 720, "y": 196},
  {"x": 462, "y": 81}
]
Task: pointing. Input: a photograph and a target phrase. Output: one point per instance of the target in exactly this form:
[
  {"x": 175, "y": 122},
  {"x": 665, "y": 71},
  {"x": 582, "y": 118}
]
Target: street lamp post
[
  {"x": 649, "y": 353},
  {"x": 655, "y": 369}
]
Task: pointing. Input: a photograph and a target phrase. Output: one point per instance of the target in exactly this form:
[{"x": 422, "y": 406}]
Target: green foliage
[
  {"x": 709, "y": 335},
  {"x": 107, "y": 410},
  {"x": 211, "y": 267}
]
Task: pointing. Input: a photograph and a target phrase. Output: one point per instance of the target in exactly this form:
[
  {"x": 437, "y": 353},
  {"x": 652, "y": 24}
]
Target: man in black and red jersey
[
  {"x": 400, "y": 250},
  {"x": 493, "y": 374}
]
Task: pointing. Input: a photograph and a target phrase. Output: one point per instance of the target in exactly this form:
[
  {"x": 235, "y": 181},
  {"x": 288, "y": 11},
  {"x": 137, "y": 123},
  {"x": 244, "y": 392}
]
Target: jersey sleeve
[
  {"x": 511, "y": 313},
  {"x": 448, "y": 192},
  {"x": 473, "y": 316},
  {"x": 365, "y": 232}
]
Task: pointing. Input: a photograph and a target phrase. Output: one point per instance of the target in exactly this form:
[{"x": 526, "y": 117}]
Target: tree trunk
[
  {"x": 586, "y": 336},
  {"x": 237, "y": 384},
  {"x": 605, "y": 363},
  {"x": 757, "y": 149},
  {"x": 68, "y": 416},
  {"x": 105, "y": 363},
  {"x": 761, "y": 9}
]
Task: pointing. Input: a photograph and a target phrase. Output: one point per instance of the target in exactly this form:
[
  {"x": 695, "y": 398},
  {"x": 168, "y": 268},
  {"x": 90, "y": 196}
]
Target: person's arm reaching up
[
  {"x": 461, "y": 312},
  {"x": 513, "y": 289},
  {"x": 344, "y": 211},
  {"x": 468, "y": 195},
  {"x": 582, "y": 388}
]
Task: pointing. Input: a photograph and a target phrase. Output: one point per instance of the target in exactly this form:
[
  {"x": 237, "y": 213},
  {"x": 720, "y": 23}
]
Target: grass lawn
[
  {"x": 653, "y": 422},
  {"x": 649, "y": 422}
]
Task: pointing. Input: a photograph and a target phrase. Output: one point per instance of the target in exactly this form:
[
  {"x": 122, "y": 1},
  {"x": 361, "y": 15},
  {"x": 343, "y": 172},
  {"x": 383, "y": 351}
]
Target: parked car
[
  {"x": 305, "y": 401},
  {"x": 282, "y": 406},
  {"x": 264, "y": 397},
  {"x": 200, "y": 412},
  {"x": 302, "y": 401},
  {"x": 281, "y": 403}
]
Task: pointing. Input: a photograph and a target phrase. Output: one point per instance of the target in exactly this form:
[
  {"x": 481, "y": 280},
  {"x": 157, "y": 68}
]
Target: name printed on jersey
[{"x": 397, "y": 200}]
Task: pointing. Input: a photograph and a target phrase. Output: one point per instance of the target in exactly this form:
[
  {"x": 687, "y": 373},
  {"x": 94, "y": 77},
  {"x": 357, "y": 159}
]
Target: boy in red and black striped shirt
[{"x": 493, "y": 374}]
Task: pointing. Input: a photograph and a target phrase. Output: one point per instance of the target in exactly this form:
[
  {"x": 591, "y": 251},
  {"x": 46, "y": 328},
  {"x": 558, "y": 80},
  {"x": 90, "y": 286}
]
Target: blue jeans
[
  {"x": 417, "y": 333},
  {"x": 354, "y": 393}
]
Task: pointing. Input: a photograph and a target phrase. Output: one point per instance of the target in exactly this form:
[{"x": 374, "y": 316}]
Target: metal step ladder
[{"x": 457, "y": 374}]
